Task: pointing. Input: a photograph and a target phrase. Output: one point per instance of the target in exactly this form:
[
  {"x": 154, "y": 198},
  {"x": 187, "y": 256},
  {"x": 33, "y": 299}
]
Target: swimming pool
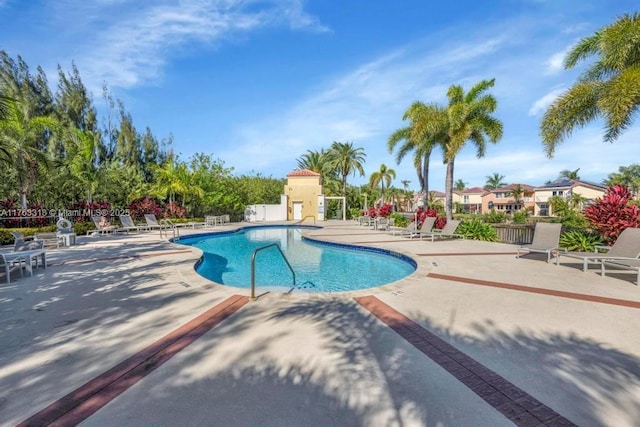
[{"x": 318, "y": 266}]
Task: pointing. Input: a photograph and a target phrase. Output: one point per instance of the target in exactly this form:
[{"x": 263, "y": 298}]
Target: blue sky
[{"x": 258, "y": 83}]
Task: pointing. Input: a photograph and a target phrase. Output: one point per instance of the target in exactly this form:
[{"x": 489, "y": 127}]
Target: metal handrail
[
  {"x": 308, "y": 216},
  {"x": 171, "y": 225},
  {"x": 253, "y": 267}
]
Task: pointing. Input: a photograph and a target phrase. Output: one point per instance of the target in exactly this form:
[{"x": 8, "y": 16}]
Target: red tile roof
[{"x": 303, "y": 172}]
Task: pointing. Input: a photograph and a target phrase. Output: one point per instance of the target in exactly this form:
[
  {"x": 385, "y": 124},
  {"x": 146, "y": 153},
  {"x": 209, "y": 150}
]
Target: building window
[
  {"x": 465, "y": 199},
  {"x": 558, "y": 193}
]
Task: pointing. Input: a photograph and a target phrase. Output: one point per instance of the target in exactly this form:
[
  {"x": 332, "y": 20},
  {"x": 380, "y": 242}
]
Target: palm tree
[
  {"x": 468, "y": 118},
  {"x": 83, "y": 154},
  {"x": 459, "y": 185},
  {"x": 608, "y": 88},
  {"x": 175, "y": 178},
  {"x": 567, "y": 174},
  {"x": 629, "y": 176},
  {"x": 494, "y": 181},
  {"x": 517, "y": 193},
  {"x": 345, "y": 160},
  {"x": 405, "y": 184},
  {"x": 384, "y": 175},
  {"x": 315, "y": 161},
  {"x": 22, "y": 138},
  {"x": 417, "y": 138}
]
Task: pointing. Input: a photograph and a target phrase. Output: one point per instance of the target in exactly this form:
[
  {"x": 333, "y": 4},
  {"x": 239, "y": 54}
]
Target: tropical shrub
[
  {"x": 385, "y": 210},
  {"x": 144, "y": 205},
  {"x": 581, "y": 240},
  {"x": 441, "y": 221},
  {"x": 613, "y": 213},
  {"x": 476, "y": 229},
  {"x": 569, "y": 211},
  {"x": 399, "y": 220},
  {"x": 494, "y": 217},
  {"x": 174, "y": 210},
  {"x": 520, "y": 217},
  {"x": 354, "y": 213}
]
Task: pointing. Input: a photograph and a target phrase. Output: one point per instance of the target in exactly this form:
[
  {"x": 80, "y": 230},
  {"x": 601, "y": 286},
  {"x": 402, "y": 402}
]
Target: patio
[{"x": 474, "y": 337}]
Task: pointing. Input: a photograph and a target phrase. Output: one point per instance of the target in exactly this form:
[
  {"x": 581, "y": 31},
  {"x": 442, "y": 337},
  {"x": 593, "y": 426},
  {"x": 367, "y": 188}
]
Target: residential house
[
  {"x": 502, "y": 199},
  {"x": 469, "y": 200},
  {"x": 565, "y": 188}
]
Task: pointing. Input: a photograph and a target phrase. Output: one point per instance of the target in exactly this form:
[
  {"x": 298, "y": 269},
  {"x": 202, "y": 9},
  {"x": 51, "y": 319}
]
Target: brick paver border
[
  {"x": 514, "y": 403},
  {"x": 86, "y": 400},
  {"x": 541, "y": 291}
]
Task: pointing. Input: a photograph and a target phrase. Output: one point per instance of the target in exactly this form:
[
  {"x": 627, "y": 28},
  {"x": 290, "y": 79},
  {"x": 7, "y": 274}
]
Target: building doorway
[{"x": 297, "y": 211}]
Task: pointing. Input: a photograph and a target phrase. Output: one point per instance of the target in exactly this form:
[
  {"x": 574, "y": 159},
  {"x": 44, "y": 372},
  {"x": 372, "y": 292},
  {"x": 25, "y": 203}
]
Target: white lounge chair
[
  {"x": 129, "y": 225},
  {"x": 102, "y": 225},
  {"x": 407, "y": 230},
  {"x": 448, "y": 231},
  {"x": 546, "y": 239},
  {"x": 619, "y": 264},
  {"x": 152, "y": 222},
  {"x": 626, "y": 248}
]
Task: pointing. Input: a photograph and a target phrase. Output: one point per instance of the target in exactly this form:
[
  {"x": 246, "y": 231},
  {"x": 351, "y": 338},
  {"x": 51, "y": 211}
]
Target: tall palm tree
[
  {"x": 517, "y": 193},
  {"x": 494, "y": 181},
  {"x": 382, "y": 176},
  {"x": 459, "y": 185},
  {"x": 418, "y": 139},
  {"x": 468, "y": 118},
  {"x": 83, "y": 155},
  {"x": 629, "y": 176},
  {"x": 567, "y": 174},
  {"x": 608, "y": 88},
  {"x": 23, "y": 137},
  {"x": 405, "y": 184},
  {"x": 315, "y": 161},
  {"x": 345, "y": 159}
]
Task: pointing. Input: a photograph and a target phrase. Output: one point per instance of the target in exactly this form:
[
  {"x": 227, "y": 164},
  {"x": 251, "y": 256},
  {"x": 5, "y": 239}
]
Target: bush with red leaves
[
  {"x": 174, "y": 210},
  {"x": 385, "y": 211},
  {"x": 144, "y": 205},
  {"x": 613, "y": 213},
  {"x": 441, "y": 221}
]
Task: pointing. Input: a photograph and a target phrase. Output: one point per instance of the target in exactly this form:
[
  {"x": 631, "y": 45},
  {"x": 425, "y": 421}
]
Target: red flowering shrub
[
  {"x": 422, "y": 214},
  {"x": 174, "y": 210},
  {"x": 385, "y": 210},
  {"x": 613, "y": 213},
  {"x": 372, "y": 212},
  {"x": 144, "y": 205},
  {"x": 441, "y": 221}
]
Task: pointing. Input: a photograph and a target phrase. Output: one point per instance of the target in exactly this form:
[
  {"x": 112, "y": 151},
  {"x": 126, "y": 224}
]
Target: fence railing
[{"x": 518, "y": 234}]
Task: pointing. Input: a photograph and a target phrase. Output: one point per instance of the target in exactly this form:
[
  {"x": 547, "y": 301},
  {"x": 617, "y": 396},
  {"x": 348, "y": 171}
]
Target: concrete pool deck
[{"x": 120, "y": 330}]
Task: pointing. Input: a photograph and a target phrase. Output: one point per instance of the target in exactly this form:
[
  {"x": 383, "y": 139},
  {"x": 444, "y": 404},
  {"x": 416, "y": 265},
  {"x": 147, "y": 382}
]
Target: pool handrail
[
  {"x": 308, "y": 216},
  {"x": 253, "y": 267},
  {"x": 166, "y": 224}
]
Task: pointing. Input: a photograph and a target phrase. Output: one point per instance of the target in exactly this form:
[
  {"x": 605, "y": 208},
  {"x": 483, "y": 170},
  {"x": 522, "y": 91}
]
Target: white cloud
[
  {"x": 132, "y": 45},
  {"x": 541, "y": 104}
]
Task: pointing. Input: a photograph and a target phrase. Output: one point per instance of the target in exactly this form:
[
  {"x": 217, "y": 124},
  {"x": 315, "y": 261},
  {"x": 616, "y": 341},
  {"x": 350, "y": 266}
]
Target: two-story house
[
  {"x": 504, "y": 199},
  {"x": 469, "y": 199},
  {"x": 565, "y": 188}
]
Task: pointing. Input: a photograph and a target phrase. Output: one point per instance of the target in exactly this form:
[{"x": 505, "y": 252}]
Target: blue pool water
[{"x": 319, "y": 267}]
